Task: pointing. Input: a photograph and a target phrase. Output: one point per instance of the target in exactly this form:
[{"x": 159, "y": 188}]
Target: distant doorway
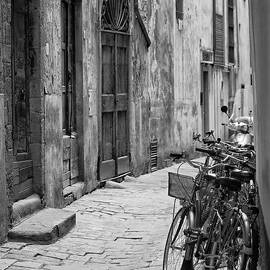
[{"x": 205, "y": 100}]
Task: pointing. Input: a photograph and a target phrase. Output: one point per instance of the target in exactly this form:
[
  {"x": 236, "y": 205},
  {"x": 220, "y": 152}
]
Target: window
[
  {"x": 219, "y": 34},
  {"x": 179, "y": 10},
  {"x": 67, "y": 66},
  {"x": 231, "y": 31}
]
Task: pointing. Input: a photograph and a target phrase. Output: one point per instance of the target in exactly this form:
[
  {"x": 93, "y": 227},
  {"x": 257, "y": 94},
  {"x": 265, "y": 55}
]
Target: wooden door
[
  {"x": 114, "y": 149},
  {"x": 22, "y": 165},
  {"x": 70, "y": 143}
]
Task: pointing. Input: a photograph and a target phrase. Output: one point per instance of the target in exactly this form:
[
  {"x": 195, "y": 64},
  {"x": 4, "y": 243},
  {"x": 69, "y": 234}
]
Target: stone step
[{"x": 44, "y": 227}]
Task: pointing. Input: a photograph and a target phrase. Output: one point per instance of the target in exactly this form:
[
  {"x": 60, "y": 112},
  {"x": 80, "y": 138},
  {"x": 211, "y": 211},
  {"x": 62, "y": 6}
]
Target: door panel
[
  {"x": 114, "y": 144},
  {"x": 22, "y": 165}
]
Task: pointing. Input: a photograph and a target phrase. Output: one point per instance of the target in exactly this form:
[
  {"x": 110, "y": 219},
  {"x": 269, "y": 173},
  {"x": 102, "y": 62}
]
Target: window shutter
[{"x": 219, "y": 40}]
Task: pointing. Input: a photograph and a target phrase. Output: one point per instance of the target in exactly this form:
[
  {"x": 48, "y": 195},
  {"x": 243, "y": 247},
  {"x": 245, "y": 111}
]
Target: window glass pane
[
  {"x": 122, "y": 134},
  {"x": 107, "y": 70}
]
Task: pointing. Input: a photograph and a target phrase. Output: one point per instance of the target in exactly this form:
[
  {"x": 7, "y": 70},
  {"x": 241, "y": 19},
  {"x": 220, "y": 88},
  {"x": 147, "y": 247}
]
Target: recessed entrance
[{"x": 114, "y": 141}]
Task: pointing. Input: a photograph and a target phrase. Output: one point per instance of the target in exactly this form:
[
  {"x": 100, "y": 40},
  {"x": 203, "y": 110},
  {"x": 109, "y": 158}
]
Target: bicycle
[{"x": 188, "y": 245}]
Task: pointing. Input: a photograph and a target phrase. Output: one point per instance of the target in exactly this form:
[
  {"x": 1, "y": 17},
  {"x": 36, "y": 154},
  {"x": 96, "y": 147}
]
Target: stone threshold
[{"x": 45, "y": 227}]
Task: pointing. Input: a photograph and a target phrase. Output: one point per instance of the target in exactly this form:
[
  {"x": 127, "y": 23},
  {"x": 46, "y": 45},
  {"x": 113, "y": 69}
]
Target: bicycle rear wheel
[
  {"x": 175, "y": 247},
  {"x": 231, "y": 250}
]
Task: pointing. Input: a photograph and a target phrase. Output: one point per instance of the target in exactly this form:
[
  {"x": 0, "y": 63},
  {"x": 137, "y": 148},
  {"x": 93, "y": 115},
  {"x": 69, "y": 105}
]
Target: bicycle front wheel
[{"x": 175, "y": 247}]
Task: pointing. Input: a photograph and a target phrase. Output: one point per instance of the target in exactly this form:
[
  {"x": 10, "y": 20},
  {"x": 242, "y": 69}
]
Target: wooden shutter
[
  {"x": 231, "y": 31},
  {"x": 219, "y": 40}
]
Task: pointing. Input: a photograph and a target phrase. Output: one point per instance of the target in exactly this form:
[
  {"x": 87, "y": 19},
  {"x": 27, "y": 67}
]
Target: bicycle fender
[
  {"x": 247, "y": 235},
  {"x": 189, "y": 248}
]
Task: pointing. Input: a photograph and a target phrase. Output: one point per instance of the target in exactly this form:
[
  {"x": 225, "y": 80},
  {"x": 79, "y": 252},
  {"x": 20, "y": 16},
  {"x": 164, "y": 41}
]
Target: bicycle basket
[{"x": 180, "y": 186}]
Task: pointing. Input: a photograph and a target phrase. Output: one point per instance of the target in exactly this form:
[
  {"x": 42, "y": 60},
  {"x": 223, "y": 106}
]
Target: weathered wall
[
  {"x": 260, "y": 11},
  {"x": 139, "y": 102},
  {"x": 5, "y": 88},
  {"x": 196, "y": 34},
  {"x": 245, "y": 71},
  {"x": 3, "y": 189},
  {"x": 90, "y": 64},
  {"x": 50, "y": 12},
  {"x": 87, "y": 72},
  {"x": 5, "y": 85},
  {"x": 161, "y": 77},
  {"x": 187, "y": 70}
]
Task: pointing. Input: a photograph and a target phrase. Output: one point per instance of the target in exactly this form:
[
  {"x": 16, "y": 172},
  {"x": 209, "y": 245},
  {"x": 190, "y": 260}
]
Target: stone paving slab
[
  {"x": 116, "y": 229},
  {"x": 46, "y": 226}
]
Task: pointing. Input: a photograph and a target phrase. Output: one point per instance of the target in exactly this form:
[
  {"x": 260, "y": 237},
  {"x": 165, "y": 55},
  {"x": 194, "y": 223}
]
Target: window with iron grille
[
  {"x": 67, "y": 65},
  {"x": 115, "y": 15},
  {"x": 231, "y": 31},
  {"x": 179, "y": 10}
]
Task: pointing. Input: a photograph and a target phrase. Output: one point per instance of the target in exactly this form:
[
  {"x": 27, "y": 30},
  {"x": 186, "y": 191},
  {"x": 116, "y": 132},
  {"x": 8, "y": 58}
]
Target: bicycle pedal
[{"x": 193, "y": 233}]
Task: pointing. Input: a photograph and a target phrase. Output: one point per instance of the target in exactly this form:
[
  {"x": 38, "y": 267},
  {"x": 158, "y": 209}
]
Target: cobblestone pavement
[{"x": 123, "y": 228}]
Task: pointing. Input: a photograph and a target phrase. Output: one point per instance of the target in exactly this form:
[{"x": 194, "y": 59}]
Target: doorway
[
  {"x": 114, "y": 106},
  {"x": 205, "y": 100}
]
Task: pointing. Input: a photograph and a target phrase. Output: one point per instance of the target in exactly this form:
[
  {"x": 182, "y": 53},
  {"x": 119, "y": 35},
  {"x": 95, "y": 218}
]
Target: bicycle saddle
[
  {"x": 244, "y": 176},
  {"x": 210, "y": 177}
]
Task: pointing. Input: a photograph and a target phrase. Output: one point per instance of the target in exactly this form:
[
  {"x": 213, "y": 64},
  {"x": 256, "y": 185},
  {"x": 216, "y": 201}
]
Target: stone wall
[
  {"x": 3, "y": 189},
  {"x": 6, "y": 111},
  {"x": 90, "y": 101},
  {"x": 50, "y": 69},
  {"x": 87, "y": 74}
]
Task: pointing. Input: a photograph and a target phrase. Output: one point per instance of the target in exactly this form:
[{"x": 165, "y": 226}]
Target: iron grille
[
  {"x": 153, "y": 154},
  {"x": 115, "y": 15}
]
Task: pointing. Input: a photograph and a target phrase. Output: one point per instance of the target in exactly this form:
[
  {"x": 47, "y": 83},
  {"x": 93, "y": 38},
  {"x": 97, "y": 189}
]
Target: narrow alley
[{"x": 123, "y": 226}]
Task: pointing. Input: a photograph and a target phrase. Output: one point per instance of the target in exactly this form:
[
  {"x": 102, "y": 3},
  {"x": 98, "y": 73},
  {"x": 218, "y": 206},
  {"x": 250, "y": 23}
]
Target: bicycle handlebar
[{"x": 206, "y": 151}]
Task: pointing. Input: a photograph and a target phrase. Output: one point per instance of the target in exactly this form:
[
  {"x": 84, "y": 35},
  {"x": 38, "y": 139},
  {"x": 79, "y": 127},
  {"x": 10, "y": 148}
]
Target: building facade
[{"x": 94, "y": 90}]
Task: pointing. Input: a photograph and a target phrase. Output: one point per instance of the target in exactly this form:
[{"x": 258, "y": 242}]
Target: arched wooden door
[{"x": 114, "y": 141}]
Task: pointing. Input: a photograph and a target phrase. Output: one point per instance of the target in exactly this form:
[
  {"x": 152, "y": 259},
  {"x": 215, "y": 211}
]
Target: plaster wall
[
  {"x": 161, "y": 77},
  {"x": 139, "y": 103},
  {"x": 187, "y": 69},
  {"x": 261, "y": 30},
  {"x": 245, "y": 70}
]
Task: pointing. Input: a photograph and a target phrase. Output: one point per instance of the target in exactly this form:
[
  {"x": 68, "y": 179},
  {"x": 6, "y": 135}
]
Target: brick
[
  {"x": 26, "y": 264},
  {"x": 14, "y": 245},
  {"x": 57, "y": 255},
  {"x": 85, "y": 258}
]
